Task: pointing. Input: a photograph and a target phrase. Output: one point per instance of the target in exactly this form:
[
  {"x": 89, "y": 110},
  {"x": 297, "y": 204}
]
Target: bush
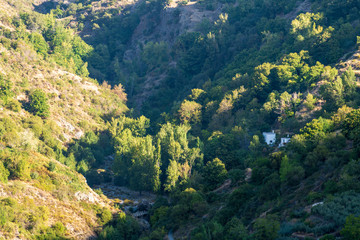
[
  {"x": 52, "y": 166},
  {"x": 4, "y": 173},
  {"x": 5, "y": 88},
  {"x": 98, "y": 191},
  {"x": 59, "y": 228},
  {"x": 104, "y": 216},
  {"x": 34, "y": 175},
  {"x": 13, "y": 105},
  {"x": 17, "y": 164},
  {"x": 38, "y": 104},
  {"x": 82, "y": 167},
  {"x": 55, "y": 232}
]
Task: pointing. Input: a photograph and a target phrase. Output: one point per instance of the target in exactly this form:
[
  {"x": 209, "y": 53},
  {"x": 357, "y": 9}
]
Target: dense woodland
[{"x": 196, "y": 139}]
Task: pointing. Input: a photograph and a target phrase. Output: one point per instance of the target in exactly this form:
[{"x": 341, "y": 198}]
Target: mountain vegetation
[{"x": 175, "y": 96}]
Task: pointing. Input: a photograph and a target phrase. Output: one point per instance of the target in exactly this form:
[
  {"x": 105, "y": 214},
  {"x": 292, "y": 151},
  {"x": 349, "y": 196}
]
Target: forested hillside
[{"x": 172, "y": 98}]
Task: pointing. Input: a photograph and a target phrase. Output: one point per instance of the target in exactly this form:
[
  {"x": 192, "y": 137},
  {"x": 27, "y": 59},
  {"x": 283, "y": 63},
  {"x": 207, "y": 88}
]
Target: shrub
[
  {"x": 4, "y": 173},
  {"x": 104, "y": 216},
  {"x": 34, "y": 175},
  {"x": 39, "y": 43},
  {"x": 11, "y": 202},
  {"x": 55, "y": 232},
  {"x": 5, "y": 88},
  {"x": 52, "y": 166},
  {"x": 5, "y": 215},
  {"x": 82, "y": 167},
  {"x": 38, "y": 104},
  {"x": 59, "y": 229},
  {"x": 98, "y": 191},
  {"x": 17, "y": 164},
  {"x": 13, "y": 105}
]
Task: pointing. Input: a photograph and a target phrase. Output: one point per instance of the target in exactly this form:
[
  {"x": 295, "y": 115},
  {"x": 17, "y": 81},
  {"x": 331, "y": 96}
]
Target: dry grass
[{"x": 76, "y": 106}]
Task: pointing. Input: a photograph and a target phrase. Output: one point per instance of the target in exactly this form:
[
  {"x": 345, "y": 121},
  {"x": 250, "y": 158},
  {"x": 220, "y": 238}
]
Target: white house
[
  {"x": 270, "y": 137},
  {"x": 284, "y": 141}
]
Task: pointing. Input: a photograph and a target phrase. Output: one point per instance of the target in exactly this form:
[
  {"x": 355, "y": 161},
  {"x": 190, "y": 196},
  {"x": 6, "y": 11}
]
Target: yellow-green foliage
[
  {"x": 42, "y": 190},
  {"x": 25, "y": 215}
]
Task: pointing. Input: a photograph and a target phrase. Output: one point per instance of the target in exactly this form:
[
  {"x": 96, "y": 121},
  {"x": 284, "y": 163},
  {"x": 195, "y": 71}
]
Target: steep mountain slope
[{"x": 45, "y": 197}]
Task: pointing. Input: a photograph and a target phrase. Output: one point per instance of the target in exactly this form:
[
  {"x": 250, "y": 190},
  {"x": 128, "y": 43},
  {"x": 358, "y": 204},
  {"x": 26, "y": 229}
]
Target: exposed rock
[
  {"x": 79, "y": 134},
  {"x": 248, "y": 174},
  {"x": 79, "y": 226}
]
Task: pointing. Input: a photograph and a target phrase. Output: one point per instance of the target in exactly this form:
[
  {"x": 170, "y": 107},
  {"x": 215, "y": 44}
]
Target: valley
[{"x": 169, "y": 119}]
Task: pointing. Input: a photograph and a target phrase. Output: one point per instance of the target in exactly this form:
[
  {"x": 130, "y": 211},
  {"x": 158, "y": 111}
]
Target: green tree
[
  {"x": 332, "y": 90},
  {"x": 287, "y": 105},
  {"x": 351, "y": 126},
  {"x": 349, "y": 82},
  {"x": 310, "y": 101},
  {"x": 255, "y": 145},
  {"x": 214, "y": 173},
  {"x": 351, "y": 229},
  {"x": 173, "y": 174},
  {"x": 191, "y": 47},
  {"x": 38, "y": 103},
  {"x": 304, "y": 26},
  {"x": 39, "y": 43},
  {"x": 145, "y": 168},
  {"x": 235, "y": 230},
  {"x": 190, "y": 112},
  {"x": 291, "y": 172},
  {"x": 240, "y": 197},
  {"x": 154, "y": 54},
  {"x": 266, "y": 228},
  {"x": 316, "y": 129},
  {"x": 260, "y": 81},
  {"x": 5, "y": 88},
  {"x": 175, "y": 151},
  {"x": 308, "y": 32},
  {"x": 17, "y": 164},
  {"x": 137, "y": 162}
]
